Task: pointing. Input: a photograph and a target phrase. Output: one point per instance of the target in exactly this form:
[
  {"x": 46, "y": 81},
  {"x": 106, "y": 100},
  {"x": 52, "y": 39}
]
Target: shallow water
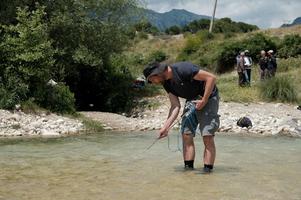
[{"x": 116, "y": 166}]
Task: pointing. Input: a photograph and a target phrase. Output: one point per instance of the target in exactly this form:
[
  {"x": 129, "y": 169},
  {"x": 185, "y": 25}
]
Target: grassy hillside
[
  {"x": 281, "y": 32},
  {"x": 212, "y": 51}
]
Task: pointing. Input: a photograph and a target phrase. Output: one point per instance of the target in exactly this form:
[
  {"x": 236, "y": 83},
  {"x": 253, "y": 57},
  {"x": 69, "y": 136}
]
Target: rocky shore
[
  {"x": 17, "y": 123},
  {"x": 267, "y": 118}
]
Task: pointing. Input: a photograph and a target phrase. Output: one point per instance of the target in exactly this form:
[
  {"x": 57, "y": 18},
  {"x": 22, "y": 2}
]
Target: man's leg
[
  {"x": 188, "y": 150},
  {"x": 240, "y": 79},
  {"x": 209, "y": 153},
  {"x": 209, "y": 123},
  {"x": 249, "y": 76}
]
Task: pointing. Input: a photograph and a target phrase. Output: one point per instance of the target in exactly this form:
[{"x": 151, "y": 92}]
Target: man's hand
[
  {"x": 163, "y": 133},
  {"x": 200, "y": 104}
]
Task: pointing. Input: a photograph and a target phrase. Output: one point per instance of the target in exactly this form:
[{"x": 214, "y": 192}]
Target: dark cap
[{"x": 154, "y": 68}]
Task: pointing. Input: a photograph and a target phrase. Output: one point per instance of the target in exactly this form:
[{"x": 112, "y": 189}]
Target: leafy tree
[
  {"x": 173, "y": 30},
  {"x": 27, "y": 55},
  {"x": 223, "y": 25},
  {"x": 71, "y": 41},
  {"x": 8, "y": 9},
  {"x": 87, "y": 34},
  {"x": 197, "y": 25},
  {"x": 146, "y": 27}
]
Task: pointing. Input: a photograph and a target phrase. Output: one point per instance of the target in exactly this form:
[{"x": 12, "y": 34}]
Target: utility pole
[{"x": 213, "y": 15}]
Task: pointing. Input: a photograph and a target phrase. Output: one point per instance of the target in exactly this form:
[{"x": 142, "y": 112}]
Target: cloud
[{"x": 265, "y": 14}]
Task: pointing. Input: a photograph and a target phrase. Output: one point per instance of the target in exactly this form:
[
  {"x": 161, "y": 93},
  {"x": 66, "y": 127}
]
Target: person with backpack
[
  {"x": 186, "y": 80},
  {"x": 263, "y": 65}
]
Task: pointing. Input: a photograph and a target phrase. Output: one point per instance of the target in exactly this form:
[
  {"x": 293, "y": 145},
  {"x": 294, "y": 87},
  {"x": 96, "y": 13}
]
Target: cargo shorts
[{"x": 206, "y": 119}]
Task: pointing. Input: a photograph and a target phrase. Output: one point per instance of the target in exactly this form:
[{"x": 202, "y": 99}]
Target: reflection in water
[{"x": 116, "y": 166}]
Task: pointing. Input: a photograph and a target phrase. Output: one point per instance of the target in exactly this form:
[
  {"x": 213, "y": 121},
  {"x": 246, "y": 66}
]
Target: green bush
[
  {"x": 290, "y": 46},
  {"x": 173, "y": 30},
  {"x": 197, "y": 25},
  {"x": 279, "y": 89},
  {"x": 226, "y": 58},
  {"x": 12, "y": 92},
  {"x": 58, "y": 98},
  {"x": 7, "y": 99},
  {"x": 223, "y": 25},
  {"x": 28, "y": 57},
  {"x": 146, "y": 27},
  {"x": 192, "y": 44},
  {"x": 158, "y": 56},
  {"x": 204, "y": 36}
]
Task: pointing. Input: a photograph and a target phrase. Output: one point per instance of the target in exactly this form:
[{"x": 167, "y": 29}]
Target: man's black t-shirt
[{"x": 182, "y": 83}]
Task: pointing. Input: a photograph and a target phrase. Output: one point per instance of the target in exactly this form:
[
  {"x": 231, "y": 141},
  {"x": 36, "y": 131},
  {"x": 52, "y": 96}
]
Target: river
[{"x": 116, "y": 166}]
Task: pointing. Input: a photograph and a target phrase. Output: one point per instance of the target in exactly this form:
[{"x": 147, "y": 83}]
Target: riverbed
[{"x": 118, "y": 166}]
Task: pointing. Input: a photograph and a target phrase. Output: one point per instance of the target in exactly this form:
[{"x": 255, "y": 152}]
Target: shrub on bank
[
  {"x": 279, "y": 89},
  {"x": 58, "y": 98}
]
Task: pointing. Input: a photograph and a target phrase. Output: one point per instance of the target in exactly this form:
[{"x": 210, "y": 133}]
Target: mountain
[
  {"x": 179, "y": 17},
  {"x": 297, "y": 21}
]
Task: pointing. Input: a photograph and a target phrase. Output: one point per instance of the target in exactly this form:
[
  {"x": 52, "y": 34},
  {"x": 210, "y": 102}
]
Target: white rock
[{"x": 45, "y": 132}]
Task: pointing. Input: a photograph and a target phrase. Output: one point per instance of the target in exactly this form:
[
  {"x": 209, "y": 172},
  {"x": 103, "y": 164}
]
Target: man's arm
[
  {"x": 172, "y": 116},
  {"x": 209, "y": 80}
]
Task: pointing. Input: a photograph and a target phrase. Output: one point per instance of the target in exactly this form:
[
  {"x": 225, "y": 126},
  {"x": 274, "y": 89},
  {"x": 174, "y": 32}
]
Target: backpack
[{"x": 244, "y": 122}]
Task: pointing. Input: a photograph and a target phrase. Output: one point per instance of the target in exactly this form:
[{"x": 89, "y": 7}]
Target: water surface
[{"x": 116, "y": 166}]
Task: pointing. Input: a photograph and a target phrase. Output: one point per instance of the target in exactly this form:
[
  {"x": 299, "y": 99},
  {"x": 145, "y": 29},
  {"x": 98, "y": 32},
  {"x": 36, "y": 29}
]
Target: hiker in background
[
  {"x": 263, "y": 65},
  {"x": 272, "y": 64},
  {"x": 248, "y": 66},
  {"x": 241, "y": 69}
]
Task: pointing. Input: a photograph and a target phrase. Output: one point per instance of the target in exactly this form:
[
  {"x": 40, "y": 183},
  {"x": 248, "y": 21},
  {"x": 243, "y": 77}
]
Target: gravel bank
[
  {"x": 267, "y": 118},
  {"x": 21, "y": 124}
]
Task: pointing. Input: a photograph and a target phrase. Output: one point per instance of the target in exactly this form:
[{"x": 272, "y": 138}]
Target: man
[
  {"x": 186, "y": 80},
  {"x": 248, "y": 66},
  {"x": 272, "y": 64},
  {"x": 263, "y": 65},
  {"x": 241, "y": 71}
]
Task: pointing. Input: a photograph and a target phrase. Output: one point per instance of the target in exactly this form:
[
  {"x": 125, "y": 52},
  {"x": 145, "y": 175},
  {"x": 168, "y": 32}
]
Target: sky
[{"x": 263, "y": 13}]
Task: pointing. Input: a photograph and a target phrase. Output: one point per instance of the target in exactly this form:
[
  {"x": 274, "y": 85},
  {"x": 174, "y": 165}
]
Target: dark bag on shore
[{"x": 244, "y": 122}]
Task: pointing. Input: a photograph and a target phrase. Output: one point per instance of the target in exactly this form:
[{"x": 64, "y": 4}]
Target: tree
[
  {"x": 146, "y": 27},
  {"x": 27, "y": 55},
  {"x": 71, "y": 41},
  {"x": 87, "y": 34},
  {"x": 173, "y": 30}
]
